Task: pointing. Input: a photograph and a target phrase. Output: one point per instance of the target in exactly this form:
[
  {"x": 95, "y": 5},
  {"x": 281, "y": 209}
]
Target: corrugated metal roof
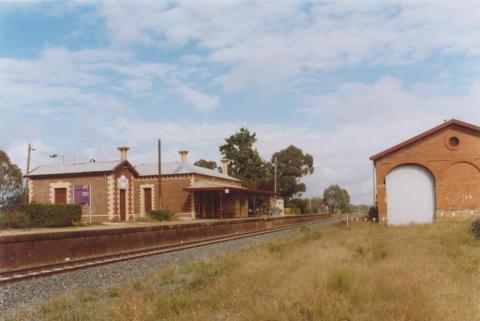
[
  {"x": 202, "y": 184},
  {"x": 174, "y": 168},
  {"x": 56, "y": 169},
  {"x": 178, "y": 168}
]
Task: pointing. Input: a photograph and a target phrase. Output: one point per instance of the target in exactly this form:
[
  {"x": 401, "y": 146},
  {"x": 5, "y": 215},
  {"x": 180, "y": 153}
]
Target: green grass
[{"x": 364, "y": 273}]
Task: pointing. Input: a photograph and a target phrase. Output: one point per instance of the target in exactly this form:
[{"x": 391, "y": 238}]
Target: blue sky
[{"x": 340, "y": 79}]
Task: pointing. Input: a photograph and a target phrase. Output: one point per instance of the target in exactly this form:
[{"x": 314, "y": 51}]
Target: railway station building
[
  {"x": 118, "y": 190},
  {"x": 431, "y": 176}
]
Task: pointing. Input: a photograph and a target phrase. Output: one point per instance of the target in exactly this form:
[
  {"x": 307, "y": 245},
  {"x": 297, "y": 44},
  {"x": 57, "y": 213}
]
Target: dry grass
[{"x": 367, "y": 272}]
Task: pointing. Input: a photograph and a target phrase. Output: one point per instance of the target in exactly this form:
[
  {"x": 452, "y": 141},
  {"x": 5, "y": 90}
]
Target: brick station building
[
  {"x": 433, "y": 175},
  {"x": 117, "y": 190}
]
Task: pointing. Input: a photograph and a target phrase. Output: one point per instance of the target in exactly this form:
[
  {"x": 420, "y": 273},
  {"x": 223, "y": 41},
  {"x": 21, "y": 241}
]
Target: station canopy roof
[{"x": 208, "y": 186}]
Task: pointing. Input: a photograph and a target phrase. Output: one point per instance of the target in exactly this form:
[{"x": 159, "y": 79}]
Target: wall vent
[{"x": 453, "y": 141}]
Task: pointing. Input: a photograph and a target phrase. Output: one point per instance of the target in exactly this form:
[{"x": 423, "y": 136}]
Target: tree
[
  {"x": 314, "y": 202},
  {"x": 336, "y": 198},
  {"x": 300, "y": 203},
  {"x": 245, "y": 161},
  {"x": 10, "y": 180},
  {"x": 206, "y": 164},
  {"x": 292, "y": 165}
]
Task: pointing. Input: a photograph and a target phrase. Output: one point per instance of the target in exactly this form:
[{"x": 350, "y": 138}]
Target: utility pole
[
  {"x": 275, "y": 177},
  {"x": 159, "y": 174},
  {"x": 275, "y": 183},
  {"x": 29, "y": 154}
]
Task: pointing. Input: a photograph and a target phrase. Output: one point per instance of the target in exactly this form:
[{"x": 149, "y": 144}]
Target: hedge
[
  {"x": 292, "y": 211},
  {"x": 160, "y": 215},
  {"x": 52, "y": 215},
  {"x": 13, "y": 219}
]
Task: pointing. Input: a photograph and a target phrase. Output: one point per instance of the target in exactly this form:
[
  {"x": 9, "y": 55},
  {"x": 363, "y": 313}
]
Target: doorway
[
  {"x": 147, "y": 199},
  {"x": 123, "y": 204},
  {"x": 60, "y": 196},
  {"x": 410, "y": 195}
]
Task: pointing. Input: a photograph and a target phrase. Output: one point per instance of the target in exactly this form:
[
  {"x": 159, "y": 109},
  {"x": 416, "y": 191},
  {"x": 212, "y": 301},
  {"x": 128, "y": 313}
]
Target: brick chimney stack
[
  {"x": 123, "y": 152},
  {"x": 225, "y": 166},
  {"x": 183, "y": 156}
]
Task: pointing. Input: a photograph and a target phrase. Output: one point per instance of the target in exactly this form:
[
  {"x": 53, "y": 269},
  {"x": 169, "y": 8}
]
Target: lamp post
[{"x": 56, "y": 155}]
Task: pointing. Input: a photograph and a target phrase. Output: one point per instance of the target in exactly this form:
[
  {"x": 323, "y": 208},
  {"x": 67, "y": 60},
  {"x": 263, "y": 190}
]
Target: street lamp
[{"x": 56, "y": 155}]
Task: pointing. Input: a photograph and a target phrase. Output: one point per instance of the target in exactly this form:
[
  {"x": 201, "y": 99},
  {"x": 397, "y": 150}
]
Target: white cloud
[
  {"x": 363, "y": 120},
  {"x": 274, "y": 46},
  {"x": 63, "y": 81},
  {"x": 366, "y": 119},
  {"x": 268, "y": 44},
  {"x": 388, "y": 100},
  {"x": 198, "y": 99}
]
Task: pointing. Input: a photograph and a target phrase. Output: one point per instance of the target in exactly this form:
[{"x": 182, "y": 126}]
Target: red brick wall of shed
[{"x": 456, "y": 171}]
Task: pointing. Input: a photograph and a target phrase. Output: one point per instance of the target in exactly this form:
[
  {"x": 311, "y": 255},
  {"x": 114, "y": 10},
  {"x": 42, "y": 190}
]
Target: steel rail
[{"x": 64, "y": 267}]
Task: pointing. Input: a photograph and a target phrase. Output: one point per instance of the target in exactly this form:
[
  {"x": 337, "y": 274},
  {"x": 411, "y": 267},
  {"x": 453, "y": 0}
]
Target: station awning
[{"x": 206, "y": 186}]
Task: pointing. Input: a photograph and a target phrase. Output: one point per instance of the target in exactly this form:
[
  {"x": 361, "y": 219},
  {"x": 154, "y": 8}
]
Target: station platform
[
  {"x": 104, "y": 226},
  {"x": 51, "y": 246}
]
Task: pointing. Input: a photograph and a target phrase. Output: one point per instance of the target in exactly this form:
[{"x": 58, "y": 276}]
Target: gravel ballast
[{"x": 29, "y": 293}]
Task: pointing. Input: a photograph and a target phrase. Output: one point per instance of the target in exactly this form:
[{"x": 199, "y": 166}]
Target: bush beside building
[
  {"x": 51, "y": 215},
  {"x": 160, "y": 215}
]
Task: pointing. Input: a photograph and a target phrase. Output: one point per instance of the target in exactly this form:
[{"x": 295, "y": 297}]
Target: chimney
[
  {"x": 123, "y": 152},
  {"x": 183, "y": 156},
  {"x": 225, "y": 166}
]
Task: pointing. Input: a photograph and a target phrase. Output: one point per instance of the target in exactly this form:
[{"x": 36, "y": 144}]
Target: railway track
[{"x": 65, "y": 267}]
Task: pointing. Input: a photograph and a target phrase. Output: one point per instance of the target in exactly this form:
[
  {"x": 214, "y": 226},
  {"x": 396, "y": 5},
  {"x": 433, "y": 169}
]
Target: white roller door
[{"x": 410, "y": 195}]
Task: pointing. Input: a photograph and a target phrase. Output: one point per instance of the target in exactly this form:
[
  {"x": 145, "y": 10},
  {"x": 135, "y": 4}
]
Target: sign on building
[{"x": 81, "y": 194}]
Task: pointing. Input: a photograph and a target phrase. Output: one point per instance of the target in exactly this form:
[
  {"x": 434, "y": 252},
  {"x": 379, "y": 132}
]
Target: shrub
[
  {"x": 307, "y": 234},
  {"x": 52, "y": 215},
  {"x": 340, "y": 280},
  {"x": 292, "y": 211},
  {"x": 380, "y": 252},
  {"x": 160, "y": 215},
  {"x": 476, "y": 228},
  {"x": 298, "y": 203},
  {"x": 274, "y": 247},
  {"x": 113, "y": 292},
  {"x": 13, "y": 219}
]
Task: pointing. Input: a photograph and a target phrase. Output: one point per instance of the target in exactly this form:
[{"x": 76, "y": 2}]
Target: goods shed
[{"x": 433, "y": 175}]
